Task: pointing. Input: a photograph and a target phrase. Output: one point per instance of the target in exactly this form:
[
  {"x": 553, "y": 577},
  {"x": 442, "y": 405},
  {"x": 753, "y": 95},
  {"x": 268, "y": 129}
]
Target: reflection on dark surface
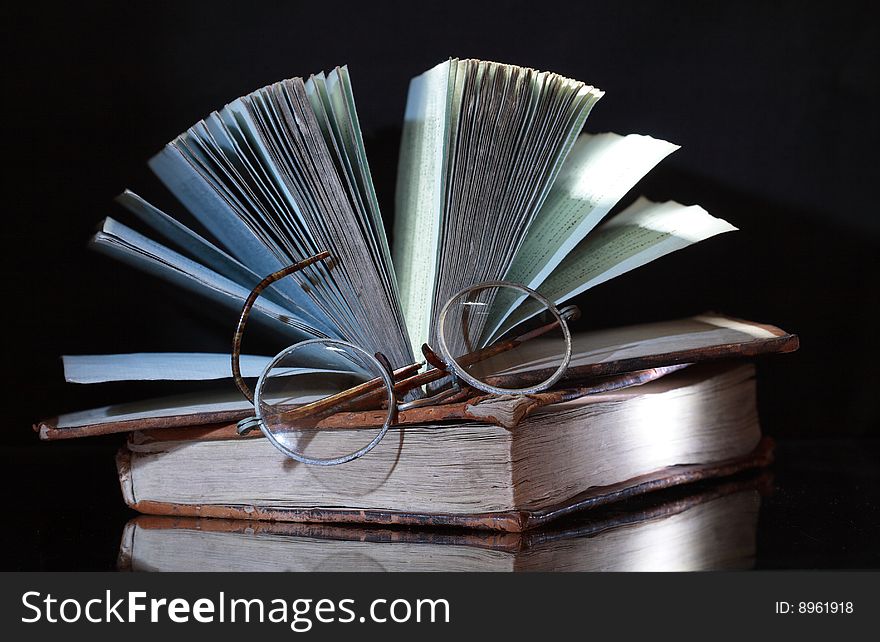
[
  {"x": 709, "y": 526},
  {"x": 823, "y": 513}
]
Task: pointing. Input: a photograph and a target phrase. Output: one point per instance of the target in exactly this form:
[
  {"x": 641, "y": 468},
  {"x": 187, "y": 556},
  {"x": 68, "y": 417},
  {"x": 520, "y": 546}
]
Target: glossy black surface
[{"x": 820, "y": 508}]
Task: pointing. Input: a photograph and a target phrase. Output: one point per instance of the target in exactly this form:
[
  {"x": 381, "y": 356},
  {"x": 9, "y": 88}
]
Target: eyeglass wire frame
[{"x": 392, "y": 382}]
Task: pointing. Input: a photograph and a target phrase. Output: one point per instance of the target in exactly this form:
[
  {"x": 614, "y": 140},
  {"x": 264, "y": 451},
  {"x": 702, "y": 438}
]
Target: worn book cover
[{"x": 699, "y": 423}]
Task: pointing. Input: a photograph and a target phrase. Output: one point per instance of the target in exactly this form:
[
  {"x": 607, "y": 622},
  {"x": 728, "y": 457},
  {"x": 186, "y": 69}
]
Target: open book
[{"x": 496, "y": 181}]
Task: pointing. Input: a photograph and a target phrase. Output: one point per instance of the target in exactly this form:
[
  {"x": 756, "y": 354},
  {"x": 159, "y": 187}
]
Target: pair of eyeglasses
[{"x": 327, "y": 401}]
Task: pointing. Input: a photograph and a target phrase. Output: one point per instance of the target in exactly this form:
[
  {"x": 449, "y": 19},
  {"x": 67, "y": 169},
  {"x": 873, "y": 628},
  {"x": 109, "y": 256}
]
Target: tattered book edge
[
  {"x": 513, "y": 543},
  {"x": 514, "y": 521}
]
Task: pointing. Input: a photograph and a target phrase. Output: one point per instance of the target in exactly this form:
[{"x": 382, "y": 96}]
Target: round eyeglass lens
[
  {"x": 303, "y": 395},
  {"x": 504, "y": 338}
]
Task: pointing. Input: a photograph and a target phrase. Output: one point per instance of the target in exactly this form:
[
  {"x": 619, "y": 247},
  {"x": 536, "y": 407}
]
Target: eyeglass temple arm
[
  {"x": 365, "y": 393},
  {"x": 407, "y": 379},
  {"x": 506, "y": 411},
  {"x": 246, "y": 311},
  {"x": 442, "y": 369},
  {"x": 369, "y": 392}
]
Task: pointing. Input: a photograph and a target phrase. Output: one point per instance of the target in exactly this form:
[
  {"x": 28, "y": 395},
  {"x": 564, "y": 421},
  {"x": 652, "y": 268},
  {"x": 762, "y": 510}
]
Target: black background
[{"x": 774, "y": 104}]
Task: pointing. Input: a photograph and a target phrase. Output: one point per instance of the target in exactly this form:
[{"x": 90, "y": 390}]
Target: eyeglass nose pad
[{"x": 433, "y": 358}]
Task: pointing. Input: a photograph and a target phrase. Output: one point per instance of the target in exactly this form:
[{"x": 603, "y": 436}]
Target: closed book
[
  {"x": 709, "y": 526},
  {"x": 697, "y": 423}
]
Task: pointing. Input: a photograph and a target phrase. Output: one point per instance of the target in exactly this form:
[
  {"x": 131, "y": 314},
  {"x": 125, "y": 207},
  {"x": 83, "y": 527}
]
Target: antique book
[
  {"x": 496, "y": 181},
  {"x": 697, "y": 423},
  {"x": 708, "y": 527}
]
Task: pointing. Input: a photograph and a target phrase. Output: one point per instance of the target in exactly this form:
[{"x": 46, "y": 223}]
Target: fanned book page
[
  {"x": 275, "y": 177},
  {"x": 495, "y": 181},
  {"x": 482, "y": 145}
]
